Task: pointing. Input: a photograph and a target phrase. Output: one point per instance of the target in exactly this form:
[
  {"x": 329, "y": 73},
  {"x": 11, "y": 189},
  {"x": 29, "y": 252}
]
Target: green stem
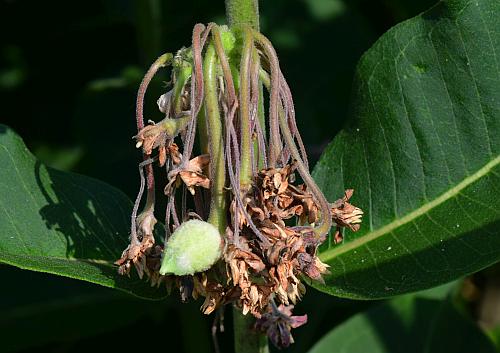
[
  {"x": 246, "y": 339},
  {"x": 183, "y": 74},
  {"x": 202, "y": 131},
  {"x": 246, "y": 138},
  {"x": 218, "y": 208},
  {"x": 243, "y": 12},
  {"x": 261, "y": 114}
]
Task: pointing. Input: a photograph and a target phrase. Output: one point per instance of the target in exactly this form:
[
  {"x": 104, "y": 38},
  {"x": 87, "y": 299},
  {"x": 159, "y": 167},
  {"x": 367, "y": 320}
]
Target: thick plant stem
[
  {"x": 246, "y": 340},
  {"x": 217, "y": 216},
  {"x": 243, "y": 12}
]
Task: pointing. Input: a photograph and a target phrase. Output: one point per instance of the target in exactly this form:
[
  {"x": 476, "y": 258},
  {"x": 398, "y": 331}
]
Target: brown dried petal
[
  {"x": 136, "y": 254},
  {"x": 345, "y": 214},
  {"x": 150, "y": 137},
  {"x": 162, "y": 156},
  {"x": 192, "y": 179},
  {"x": 192, "y": 175},
  {"x": 254, "y": 295},
  {"x": 175, "y": 155},
  {"x": 285, "y": 200},
  {"x": 249, "y": 258},
  {"x": 199, "y": 163},
  {"x": 255, "y": 212},
  {"x": 310, "y": 267}
]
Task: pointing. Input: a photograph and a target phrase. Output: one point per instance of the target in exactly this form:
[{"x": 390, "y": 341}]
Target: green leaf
[
  {"x": 494, "y": 335},
  {"x": 410, "y": 324},
  {"x": 422, "y": 151},
  {"x": 62, "y": 223}
]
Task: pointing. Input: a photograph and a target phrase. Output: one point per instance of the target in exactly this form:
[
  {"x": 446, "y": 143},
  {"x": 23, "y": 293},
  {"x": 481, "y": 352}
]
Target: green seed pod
[{"x": 194, "y": 247}]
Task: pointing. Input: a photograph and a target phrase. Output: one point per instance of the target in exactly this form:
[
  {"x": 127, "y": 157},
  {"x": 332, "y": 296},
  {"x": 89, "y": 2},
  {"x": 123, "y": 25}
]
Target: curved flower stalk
[{"x": 241, "y": 181}]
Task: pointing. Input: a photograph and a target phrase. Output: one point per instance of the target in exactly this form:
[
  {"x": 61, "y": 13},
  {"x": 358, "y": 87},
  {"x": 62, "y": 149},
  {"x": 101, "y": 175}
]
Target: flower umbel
[{"x": 242, "y": 181}]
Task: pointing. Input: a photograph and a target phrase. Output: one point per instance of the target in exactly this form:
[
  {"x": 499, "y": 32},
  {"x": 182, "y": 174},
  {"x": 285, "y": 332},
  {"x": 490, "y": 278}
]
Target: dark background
[{"x": 69, "y": 71}]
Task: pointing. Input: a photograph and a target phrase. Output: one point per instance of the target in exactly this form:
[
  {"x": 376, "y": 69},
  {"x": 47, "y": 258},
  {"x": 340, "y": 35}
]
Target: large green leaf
[
  {"x": 422, "y": 152},
  {"x": 61, "y": 223},
  {"x": 410, "y": 324}
]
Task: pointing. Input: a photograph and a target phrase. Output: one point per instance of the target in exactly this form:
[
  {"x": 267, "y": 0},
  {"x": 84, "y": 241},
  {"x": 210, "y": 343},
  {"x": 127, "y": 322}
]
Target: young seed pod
[{"x": 194, "y": 247}]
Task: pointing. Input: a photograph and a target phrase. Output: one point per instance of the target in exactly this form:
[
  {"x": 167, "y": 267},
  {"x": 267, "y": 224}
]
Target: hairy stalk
[
  {"x": 196, "y": 91},
  {"x": 218, "y": 209},
  {"x": 232, "y": 150},
  {"x": 229, "y": 110},
  {"x": 274, "y": 136},
  {"x": 148, "y": 207},
  {"x": 259, "y": 118},
  {"x": 226, "y": 69},
  {"x": 326, "y": 221},
  {"x": 232, "y": 147},
  {"x": 287, "y": 94},
  {"x": 199, "y": 39},
  {"x": 162, "y": 61}
]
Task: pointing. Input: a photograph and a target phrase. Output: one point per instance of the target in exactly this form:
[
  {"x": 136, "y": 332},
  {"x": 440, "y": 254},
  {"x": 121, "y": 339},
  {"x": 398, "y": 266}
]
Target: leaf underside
[
  {"x": 62, "y": 223},
  {"x": 422, "y": 151}
]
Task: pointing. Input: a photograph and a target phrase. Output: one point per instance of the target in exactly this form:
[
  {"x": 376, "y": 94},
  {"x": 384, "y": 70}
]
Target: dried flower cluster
[{"x": 243, "y": 181}]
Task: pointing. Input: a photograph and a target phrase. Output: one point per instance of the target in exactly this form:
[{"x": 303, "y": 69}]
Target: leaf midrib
[{"x": 330, "y": 254}]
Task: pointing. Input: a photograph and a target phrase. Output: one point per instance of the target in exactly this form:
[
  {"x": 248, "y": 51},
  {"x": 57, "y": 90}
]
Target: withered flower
[
  {"x": 191, "y": 174},
  {"x": 278, "y": 322},
  {"x": 242, "y": 180},
  {"x": 140, "y": 247},
  {"x": 150, "y": 137},
  {"x": 345, "y": 215}
]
